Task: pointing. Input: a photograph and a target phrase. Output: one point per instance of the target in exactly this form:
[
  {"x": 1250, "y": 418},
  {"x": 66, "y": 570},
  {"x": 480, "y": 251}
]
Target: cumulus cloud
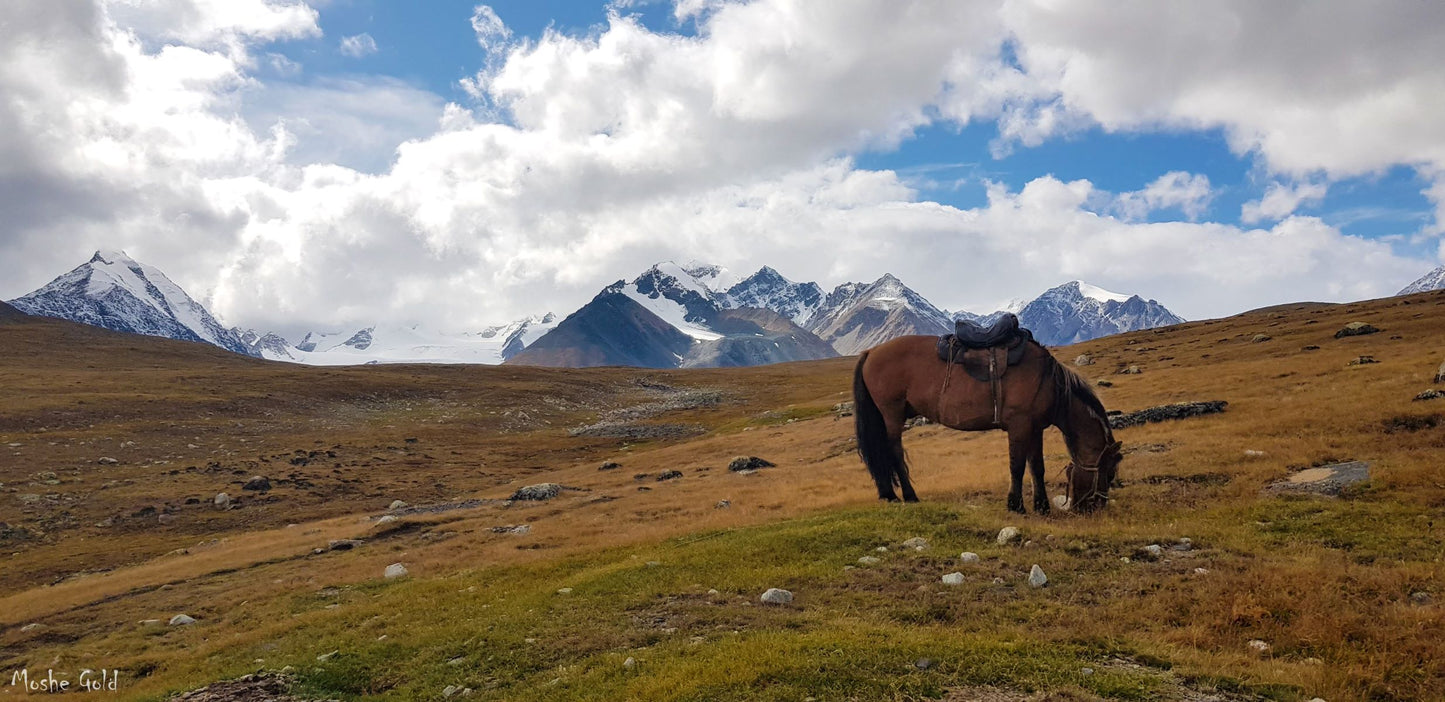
[
  {"x": 358, "y": 45},
  {"x": 586, "y": 158},
  {"x": 1280, "y": 200},
  {"x": 1190, "y": 192}
]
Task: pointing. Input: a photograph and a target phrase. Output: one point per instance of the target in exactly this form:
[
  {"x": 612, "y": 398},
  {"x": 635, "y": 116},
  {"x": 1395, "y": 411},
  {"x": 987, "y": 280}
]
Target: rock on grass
[
  {"x": 540, "y": 491},
  {"x": 1178, "y": 410},
  {"x": 777, "y": 596},
  {"x": 749, "y": 463},
  {"x": 1355, "y": 329}
]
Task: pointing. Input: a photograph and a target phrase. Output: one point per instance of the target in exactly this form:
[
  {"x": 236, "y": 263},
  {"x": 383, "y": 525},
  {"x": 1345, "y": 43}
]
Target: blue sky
[{"x": 338, "y": 162}]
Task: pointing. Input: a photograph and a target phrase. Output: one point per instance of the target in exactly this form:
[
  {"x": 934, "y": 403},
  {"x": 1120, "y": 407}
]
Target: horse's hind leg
[
  {"x": 903, "y": 481},
  {"x": 1036, "y": 469},
  {"x": 1018, "y": 453}
]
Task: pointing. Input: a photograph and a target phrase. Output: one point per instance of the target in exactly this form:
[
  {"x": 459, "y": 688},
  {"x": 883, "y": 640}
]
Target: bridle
[{"x": 1089, "y": 468}]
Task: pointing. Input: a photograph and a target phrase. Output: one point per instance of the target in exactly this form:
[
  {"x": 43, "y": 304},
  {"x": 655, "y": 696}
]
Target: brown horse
[{"x": 905, "y": 378}]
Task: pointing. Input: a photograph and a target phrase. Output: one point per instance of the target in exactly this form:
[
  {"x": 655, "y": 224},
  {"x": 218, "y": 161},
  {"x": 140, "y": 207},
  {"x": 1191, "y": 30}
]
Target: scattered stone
[
  {"x": 653, "y": 564},
  {"x": 917, "y": 543},
  {"x": 1184, "y": 544},
  {"x": 1260, "y": 338},
  {"x": 396, "y": 505},
  {"x": 182, "y": 620},
  {"x": 1009, "y": 535},
  {"x": 1362, "y": 361},
  {"x": 385, "y": 519},
  {"x": 1419, "y": 598},
  {"x": 564, "y": 591},
  {"x": 1201, "y": 571},
  {"x": 1178, "y": 410},
  {"x": 630, "y": 663},
  {"x": 1355, "y": 329},
  {"x": 868, "y": 560},
  {"x": 327, "y": 656},
  {"x": 1431, "y": 394},
  {"x": 723, "y": 504},
  {"x": 917, "y": 422},
  {"x": 1037, "y": 577},
  {"x": 258, "y": 483},
  {"x": 669, "y": 475},
  {"x": 517, "y": 529},
  {"x": 1131, "y": 370},
  {"x": 1310, "y": 347},
  {"x": 222, "y": 501},
  {"x": 881, "y": 549},
  {"x": 923, "y": 663},
  {"x": 1104, "y": 384},
  {"x": 1151, "y": 552},
  {"x": 1086, "y": 671},
  {"x": 107, "y": 461},
  {"x": 1060, "y": 501},
  {"x": 342, "y": 544},
  {"x": 953, "y": 579},
  {"x": 449, "y": 690},
  {"x": 31, "y": 627},
  {"x": 1084, "y": 359},
  {"x": 843, "y": 409},
  {"x": 969, "y": 557},
  {"x": 1258, "y": 647},
  {"x": 166, "y": 518},
  {"x": 1440, "y": 374},
  {"x": 748, "y": 463},
  {"x": 540, "y": 491},
  {"x": 1251, "y": 453},
  {"x": 1324, "y": 480},
  {"x": 270, "y": 687},
  {"x": 609, "y": 465},
  {"x": 395, "y": 570},
  {"x": 641, "y": 476},
  {"x": 777, "y": 596}
]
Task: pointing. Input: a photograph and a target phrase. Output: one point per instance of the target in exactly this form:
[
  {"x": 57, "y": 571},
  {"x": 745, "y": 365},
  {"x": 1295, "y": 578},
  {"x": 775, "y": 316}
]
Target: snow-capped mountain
[
  {"x": 1077, "y": 311},
  {"x": 1434, "y": 280},
  {"x": 114, "y": 291},
  {"x": 768, "y": 289},
  {"x": 858, "y": 316},
  {"x": 403, "y": 344},
  {"x": 675, "y": 316}
]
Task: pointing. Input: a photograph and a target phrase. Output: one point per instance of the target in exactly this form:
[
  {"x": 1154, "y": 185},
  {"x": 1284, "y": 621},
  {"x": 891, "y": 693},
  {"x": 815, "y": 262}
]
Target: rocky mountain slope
[{"x": 1434, "y": 280}]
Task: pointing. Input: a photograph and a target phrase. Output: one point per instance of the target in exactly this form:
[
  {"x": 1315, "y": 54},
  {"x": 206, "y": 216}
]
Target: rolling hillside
[{"x": 114, "y": 449}]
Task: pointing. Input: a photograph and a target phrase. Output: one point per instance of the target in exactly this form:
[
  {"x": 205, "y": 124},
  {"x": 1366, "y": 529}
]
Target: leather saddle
[{"x": 978, "y": 348}]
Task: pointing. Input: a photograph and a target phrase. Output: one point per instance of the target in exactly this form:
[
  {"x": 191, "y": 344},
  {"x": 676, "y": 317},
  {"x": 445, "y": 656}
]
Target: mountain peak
[
  {"x": 1090, "y": 291},
  {"x": 111, "y": 256},
  {"x": 1434, "y": 280}
]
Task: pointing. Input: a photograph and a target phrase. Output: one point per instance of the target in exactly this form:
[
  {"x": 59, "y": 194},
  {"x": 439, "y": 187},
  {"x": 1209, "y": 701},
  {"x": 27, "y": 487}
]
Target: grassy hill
[{"x": 1345, "y": 591}]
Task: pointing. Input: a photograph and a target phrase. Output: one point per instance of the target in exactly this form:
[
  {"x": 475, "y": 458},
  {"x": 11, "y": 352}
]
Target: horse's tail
[{"x": 873, "y": 445}]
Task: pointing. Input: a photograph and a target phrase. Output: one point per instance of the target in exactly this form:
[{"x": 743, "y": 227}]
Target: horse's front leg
[
  {"x": 1018, "y": 453},
  {"x": 1036, "y": 469}
]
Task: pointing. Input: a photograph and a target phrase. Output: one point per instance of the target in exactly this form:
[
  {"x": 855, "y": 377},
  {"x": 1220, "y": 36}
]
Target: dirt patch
[{"x": 261, "y": 687}]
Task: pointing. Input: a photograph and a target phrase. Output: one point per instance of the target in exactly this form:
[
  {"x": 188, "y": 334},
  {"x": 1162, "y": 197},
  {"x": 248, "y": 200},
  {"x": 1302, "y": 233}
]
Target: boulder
[
  {"x": 843, "y": 409},
  {"x": 1431, "y": 394},
  {"x": 777, "y": 596},
  {"x": 917, "y": 543},
  {"x": 107, "y": 461},
  {"x": 1008, "y": 535},
  {"x": 867, "y": 560},
  {"x": 741, "y": 463},
  {"x": 1440, "y": 374},
  {"x": 953, "y": 579},
  {"x": 222, "y": 501},
  {"x": 969, "y": 557},
  {"x": 669, "y": 475},
  {"x": 182, "y": 620},
  {"x": 1131, "y": 370},
  {"x": 394, "y": 571},
  {"x": 1261, "y": 338},
  {"x": 723, "y": 504},
  {"x": 1355, "y": 329},
  {"x": 1037, "y": 577},
  {"x": 396, "y": 505},
  {"x": 258, "y": 483},
  {"x": 1084, "y": 359},
  {"x": 1178, "y": 410},
  {"x": 609, "y": 465},
  {"x": 538, "y": 492},
  {"x": 1362, "y": 361}
]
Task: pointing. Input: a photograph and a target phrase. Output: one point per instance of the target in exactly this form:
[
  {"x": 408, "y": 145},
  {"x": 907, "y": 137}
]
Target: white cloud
[
  {"x": 1281, "y": 200},
  {"x": 626, "y": 146},
  {"x": 358, "y": 45},
  {"x": 1190, "y": 192}
]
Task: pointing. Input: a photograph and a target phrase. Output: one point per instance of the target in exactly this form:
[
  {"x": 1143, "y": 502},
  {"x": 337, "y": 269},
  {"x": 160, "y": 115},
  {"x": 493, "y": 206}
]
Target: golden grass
[{"x": 1327, "y": 582}]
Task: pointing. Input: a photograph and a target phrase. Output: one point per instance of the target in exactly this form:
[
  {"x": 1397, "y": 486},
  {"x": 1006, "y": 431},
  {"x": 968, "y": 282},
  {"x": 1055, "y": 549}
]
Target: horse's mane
[{"x": 1070, "y": 386}]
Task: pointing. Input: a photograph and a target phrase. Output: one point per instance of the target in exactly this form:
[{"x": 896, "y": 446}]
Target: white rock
[
  {"x": 396, "y": 505},
  {"x": 395, "y": 570},
  {"x": 1154, "y": 550},
  {"x": 953, "y": 579},
  {"x": 564, "y": 591},
  {"x": 31, "y": 627},
  {"x": 328, "y": 656},
  {"x": 777, "y": 596},
  {"x": 182, "y": 620},
  {"x": 1008, "y": 535},
  {"x": 222, "y": 500},
  {"x": 449, "y": 690},
  {"x": 1251, "y": 453},
  {"x": 881, "y": 549},
  {"x": 713, "y": 592},
  {"x": 1258, "y": 646},
  {"x": 1201, "y": 571},
  {"x": 917, "y": 543},
  {"x": 1037, "y": 577},
  {"x": 630, "y": 663},
  {"x": 868, "y": 560},
  {"x": 969, "y": 557},
  {"x": 1061, "y": 502}
]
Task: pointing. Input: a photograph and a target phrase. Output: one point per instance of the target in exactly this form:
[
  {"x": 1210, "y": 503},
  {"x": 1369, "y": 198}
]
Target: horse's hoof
[
  {"x": 887, "y": 498},
  {"x": 1041, "y": 507},
  {"x": 1016, "y": 504},
  {"x": 911, "y": 499}
]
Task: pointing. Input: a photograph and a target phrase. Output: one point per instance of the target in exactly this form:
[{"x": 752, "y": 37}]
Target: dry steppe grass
[{"x": 1346, "y": 591}]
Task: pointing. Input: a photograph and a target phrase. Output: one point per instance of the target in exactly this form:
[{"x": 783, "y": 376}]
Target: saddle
[{"x": 986, "y": 353}]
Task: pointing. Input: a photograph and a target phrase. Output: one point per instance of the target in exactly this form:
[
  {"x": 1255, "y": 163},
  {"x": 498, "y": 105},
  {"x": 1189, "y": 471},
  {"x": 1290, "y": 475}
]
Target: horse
[{"x": 905, "y": 378}]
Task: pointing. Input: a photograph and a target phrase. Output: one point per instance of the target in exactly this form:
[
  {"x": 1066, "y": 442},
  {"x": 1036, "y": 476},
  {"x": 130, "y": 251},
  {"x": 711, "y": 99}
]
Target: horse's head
[{"x": 1089, "y": 483}]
